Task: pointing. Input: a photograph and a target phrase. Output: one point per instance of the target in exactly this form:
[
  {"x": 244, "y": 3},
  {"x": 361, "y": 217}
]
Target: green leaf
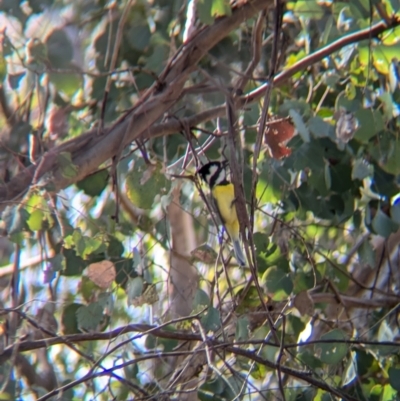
[
  {"x": 211, "y": 390},
  {"x": 40, "y": 216},
  {"x": 371, "y": 123},
  {"x": 212, "y": 320},
  {"x": 134, "y": 288},
  {"x": 74, "y": 265},
  {"x": 341, "y": 178},
  {"x": 308, "y": 9},
  {"x": 388, "y": 105},
  {"x": 15, "y": 219},
  {"x": 383, "y": 225},
  {"x": 300, "y": 126},
  {"x": 389, "y": 393},
  {"x": 242, "y": 329},
  {"x": 327, "y": 176},
  {"x": 391, "y": 163},
  {"x": 303, "y": 281},
  {"x": 201, "y": 300},
  {"x": 310, "y": 156},
  {"x": 69, "y": 320},
  {"x": 3, "y": 67},
  {"x": 139, "y": 35},
  {"x": 144, "y": 183},
  {"x": 278, "y": 283},
  {"x": 258, "y": 371},
  {"x": 394, "y": 378},
  {"x": 115, "y": 247},
  {"x": 220, "y": 8},
  {"x": 357, "y": 219},
  {"x": 340, "y": 278},
  {"x": 366, "y": 361},
  {"x": 89, "y": 317},
  {"x": 333, "y": 353},
  {"x": 382, "y": 56},
  {"x": 94, "y": 184},
  {"x": 295, "y": 325},
  {"x": 35, "y": 221},
  {"x": 320, "y": 129},
  {"x": 204, "y": 10},
  {"x": 261, "y": 241},
  {"x": 59, "y": 49},
  {"x": 157, "y": 59},
  {"x": 57, "y": 262},
  {"x": 68, "y": 169},
  {"x": 87, "y": 288},
  {"x": 383, "y": 183},
  {"x": 125, "y": 269},
  {"x": 250, "y": 301},
  {"x": 366, "y": 253},
  {"x": 151, "y": 342},
  {"x": 67, "y": 84},
  {"x": 309, "y": 359},
  {"x": 76, "y": 240},
  {"x": 92, "y": 246}
]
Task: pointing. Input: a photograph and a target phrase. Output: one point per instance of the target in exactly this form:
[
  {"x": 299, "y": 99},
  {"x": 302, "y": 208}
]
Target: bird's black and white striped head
[{"x": 214, "y": 173}]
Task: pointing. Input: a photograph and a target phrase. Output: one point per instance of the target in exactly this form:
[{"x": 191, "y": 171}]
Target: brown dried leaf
[
  {"x": 102, "y": 273},
  {"x": 304, "y": 304},
  {"x": 277, "y": 134}
]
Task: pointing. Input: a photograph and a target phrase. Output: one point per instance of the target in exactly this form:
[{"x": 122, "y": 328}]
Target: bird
[{"x": 223, "y": 199}]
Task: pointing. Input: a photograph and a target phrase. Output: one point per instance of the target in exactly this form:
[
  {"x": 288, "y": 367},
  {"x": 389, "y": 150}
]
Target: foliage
[{"x": 107, "y": 111}]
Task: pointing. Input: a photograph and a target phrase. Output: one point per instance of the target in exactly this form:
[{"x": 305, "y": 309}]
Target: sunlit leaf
[
  {"x": 308, "y": 9},
  {"x": 220, "y": 8}
]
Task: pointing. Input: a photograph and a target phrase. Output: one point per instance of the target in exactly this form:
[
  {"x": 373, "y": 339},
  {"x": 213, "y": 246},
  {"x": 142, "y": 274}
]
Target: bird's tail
[{"x": 237, "y": 247}]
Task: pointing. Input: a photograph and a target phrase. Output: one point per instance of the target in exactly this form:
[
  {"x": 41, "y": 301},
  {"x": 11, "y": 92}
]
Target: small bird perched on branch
[{"x": 223, "y": 197}]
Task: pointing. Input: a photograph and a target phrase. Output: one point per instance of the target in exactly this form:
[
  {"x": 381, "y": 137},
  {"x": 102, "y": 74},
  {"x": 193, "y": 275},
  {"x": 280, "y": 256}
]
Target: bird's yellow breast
[{"x": 224, "y": 196}]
